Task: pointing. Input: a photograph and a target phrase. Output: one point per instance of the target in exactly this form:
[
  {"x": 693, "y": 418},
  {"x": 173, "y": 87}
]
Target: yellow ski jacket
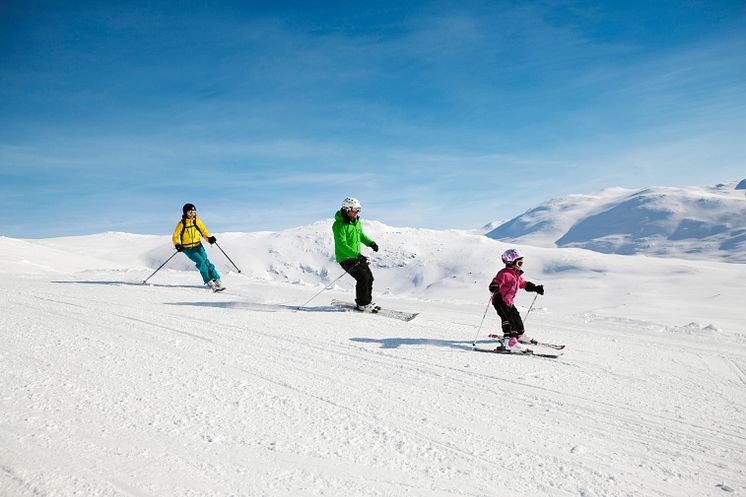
[{"x": 188, "y": 231}]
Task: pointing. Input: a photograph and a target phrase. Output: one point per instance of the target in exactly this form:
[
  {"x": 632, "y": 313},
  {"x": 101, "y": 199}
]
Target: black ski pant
[
  {"x": 512, "y": 322},
  {"x": 359, "y": 269}
]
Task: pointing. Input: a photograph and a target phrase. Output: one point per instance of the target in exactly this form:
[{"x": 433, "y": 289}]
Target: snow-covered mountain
[{"x": 694, "y": 222}]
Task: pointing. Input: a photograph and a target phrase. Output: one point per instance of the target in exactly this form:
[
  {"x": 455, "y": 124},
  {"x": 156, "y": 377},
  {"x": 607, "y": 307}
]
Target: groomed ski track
[{"x": 113, "y": 388}]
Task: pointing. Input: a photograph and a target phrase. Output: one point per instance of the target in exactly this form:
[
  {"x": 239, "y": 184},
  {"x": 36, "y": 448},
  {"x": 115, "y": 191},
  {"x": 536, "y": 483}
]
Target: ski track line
[
  {"x": 161, "y": 326},
  {"x": 95, "y": 322},
  {"x": 565, "y": 460},
  {"x": 642, "y": 435},
  {"x": 363, "y": 417},
  {"x": 310, "y": 370},
  {"x": 657, "y": 338},
  {"x": 157, "y": 325},
  {"x": 116, "y": 483},
  {"x": 654, "y": 440},
  {"x": 294, "y": 341},
  {"x": 306, "y": 373},
  {"x": 609, "y": 412},
  {"x": 584, "y": 400},
  {"x": 326, "y": 348},
  {"x": 411, "y": 433},
  {"x": 58, "y": 302},
  {"x": 267, "y": 335},
  {"x": 653, "y": 432},
  {"x": 204, "y": 471},
  {"x": 73, "y": 464},
  {"x": 418, "y": 370},
  {"x": 739, "y": 372},
  {"x": 664, "y": 419},
  {"x": 13, "y": 477}
]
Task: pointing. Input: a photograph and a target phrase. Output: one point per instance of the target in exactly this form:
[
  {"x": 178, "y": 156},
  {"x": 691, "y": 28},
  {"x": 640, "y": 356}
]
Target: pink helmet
[{"x": 510, "y": 256}]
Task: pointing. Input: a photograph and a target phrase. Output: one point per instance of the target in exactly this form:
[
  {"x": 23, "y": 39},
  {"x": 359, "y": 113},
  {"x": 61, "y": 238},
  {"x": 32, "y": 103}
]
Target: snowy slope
[
  {"x": 694, "y": 223},
  {"x": 453, "y": 266},
  {"x": 115, "y": 388},
  {"x": 23, "y": 257}
]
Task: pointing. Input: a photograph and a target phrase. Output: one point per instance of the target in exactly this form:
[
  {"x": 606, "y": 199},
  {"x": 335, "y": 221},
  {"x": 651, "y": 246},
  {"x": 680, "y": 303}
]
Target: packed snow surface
[
  {"x": 115, "y": 388},
  {"x": 704, "y": 223}
]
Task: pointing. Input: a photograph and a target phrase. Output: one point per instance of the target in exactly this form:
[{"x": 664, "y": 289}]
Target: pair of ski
[
  {"x": 389, "y": 313},
  {"x": 553, "y": 351}
]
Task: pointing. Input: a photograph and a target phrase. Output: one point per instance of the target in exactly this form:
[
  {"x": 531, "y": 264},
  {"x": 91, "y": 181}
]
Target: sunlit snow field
[{"x": 114, "y": 388}]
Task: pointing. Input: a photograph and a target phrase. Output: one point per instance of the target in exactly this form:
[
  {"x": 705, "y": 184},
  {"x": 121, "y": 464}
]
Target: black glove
[
  {"x": 374, "y": 246},
  {"x": 361, "y": 259},
  {"x": 530, "y": 287},
  {"x": 212, "y": 239},
  {"x": 179, "y": 247},
  {"x": 494, "y": 287}
]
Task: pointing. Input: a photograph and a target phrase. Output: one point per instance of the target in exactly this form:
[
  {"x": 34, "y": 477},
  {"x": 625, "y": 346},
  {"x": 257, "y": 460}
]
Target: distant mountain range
[{"x": 691, "y": 223}]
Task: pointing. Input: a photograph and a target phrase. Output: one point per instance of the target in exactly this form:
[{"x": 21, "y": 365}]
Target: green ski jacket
[{"x": 347, "y": 237}]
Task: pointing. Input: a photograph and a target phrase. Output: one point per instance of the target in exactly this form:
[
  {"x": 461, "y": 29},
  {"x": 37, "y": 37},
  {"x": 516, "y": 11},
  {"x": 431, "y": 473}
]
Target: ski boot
[
  {"x": 510, "y": 344},
  {"x": 372, "y": 307}
]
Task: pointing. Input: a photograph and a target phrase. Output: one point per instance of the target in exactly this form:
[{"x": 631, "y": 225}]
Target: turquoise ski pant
[{"x": 199, "y": 256}]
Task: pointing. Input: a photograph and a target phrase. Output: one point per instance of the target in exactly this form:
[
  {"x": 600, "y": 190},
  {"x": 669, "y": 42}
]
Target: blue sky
[{"x": 433, "y": 114}]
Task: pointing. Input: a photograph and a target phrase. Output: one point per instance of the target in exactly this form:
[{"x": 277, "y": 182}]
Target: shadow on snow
[
  {"x": 395, "y": 343},
  {"x": 385, "y": 343},
  {"x": 251, "y": 306},
  {"x": 124, "y": 283}
]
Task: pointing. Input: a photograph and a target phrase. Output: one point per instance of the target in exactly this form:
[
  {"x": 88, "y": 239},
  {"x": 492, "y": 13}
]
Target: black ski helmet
[{"x": 187, "y": 208}]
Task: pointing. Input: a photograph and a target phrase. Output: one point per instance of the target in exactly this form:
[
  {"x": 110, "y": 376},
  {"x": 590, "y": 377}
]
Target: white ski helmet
[
  {"x": 351, "y": 203},
  {"x": 510, "y": 256}
]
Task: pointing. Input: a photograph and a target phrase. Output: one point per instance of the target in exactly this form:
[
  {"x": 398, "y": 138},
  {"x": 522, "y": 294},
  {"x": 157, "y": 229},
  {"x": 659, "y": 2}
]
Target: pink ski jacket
[{"x": 508, "y": 281}]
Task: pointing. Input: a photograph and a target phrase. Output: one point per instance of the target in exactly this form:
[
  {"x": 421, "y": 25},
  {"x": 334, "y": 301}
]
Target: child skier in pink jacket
[{"x": 504, "y": 286}]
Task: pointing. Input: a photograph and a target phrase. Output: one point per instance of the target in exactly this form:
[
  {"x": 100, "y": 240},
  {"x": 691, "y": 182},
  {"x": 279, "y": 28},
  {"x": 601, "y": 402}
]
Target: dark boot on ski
[{"x": 372, "y": 307}]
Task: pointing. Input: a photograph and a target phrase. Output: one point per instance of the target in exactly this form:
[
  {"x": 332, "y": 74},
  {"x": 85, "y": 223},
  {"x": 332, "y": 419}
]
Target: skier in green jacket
[{"x": 348, "y": 234}]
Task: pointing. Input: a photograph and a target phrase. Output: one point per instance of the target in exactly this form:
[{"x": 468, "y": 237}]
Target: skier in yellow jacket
[{"x": 187, "y": 239}]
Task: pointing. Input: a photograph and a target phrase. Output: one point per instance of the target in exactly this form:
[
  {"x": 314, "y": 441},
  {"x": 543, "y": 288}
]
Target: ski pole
[
  {"x": 529, "y": 309},
  {"x": 474, "y": 342},
  {"x": 226, "y": 256},
  {"x": 329, "y": 285},
  {"x": 159, "y": 267}
]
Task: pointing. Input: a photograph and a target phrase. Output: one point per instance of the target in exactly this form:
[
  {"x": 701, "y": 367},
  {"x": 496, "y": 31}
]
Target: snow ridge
[{"x": 691, "y": 223}]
